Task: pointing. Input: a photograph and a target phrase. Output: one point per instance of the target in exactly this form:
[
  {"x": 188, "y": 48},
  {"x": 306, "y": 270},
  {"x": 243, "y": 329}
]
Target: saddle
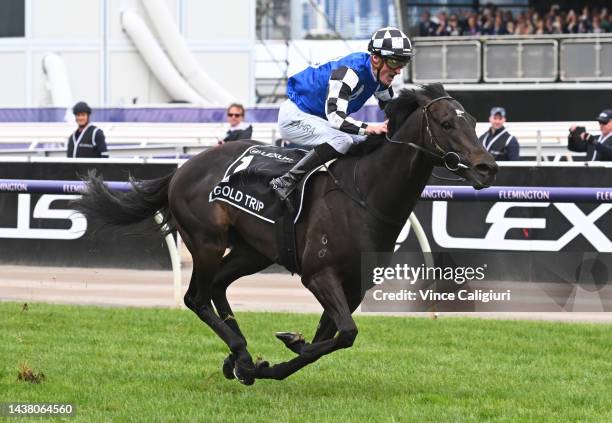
[{"x": 245, "y": 186}]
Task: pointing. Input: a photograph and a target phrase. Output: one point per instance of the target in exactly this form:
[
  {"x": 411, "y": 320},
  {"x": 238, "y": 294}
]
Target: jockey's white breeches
[{"x": 302, "y": 128}]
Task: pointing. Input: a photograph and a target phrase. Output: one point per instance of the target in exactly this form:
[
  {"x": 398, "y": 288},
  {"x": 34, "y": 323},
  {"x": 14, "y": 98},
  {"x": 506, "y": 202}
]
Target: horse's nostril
[{"x": 486, "y": 168}]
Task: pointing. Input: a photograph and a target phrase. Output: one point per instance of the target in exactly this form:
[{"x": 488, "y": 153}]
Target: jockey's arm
[
  {"x": 384, "y": 97},
  {"x": 341, "y": 85}
]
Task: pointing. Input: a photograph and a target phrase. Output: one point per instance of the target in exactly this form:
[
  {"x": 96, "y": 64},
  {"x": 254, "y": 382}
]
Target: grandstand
[{"x": 565, "y": 76}]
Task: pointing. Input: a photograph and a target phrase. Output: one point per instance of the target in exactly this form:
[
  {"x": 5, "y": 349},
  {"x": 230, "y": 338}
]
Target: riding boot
[{"x": 285, "y": 184}]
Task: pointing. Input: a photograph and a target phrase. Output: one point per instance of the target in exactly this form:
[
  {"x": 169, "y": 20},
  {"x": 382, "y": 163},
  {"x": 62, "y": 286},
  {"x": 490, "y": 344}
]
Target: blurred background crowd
[{"x": 496, "y": 21}]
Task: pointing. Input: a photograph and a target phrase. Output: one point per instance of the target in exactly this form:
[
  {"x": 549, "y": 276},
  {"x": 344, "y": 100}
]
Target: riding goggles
[{"x": 394, "y": 63}]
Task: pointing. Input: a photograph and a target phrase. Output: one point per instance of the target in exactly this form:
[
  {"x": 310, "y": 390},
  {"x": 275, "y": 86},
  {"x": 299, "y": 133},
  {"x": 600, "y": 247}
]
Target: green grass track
[{"x": 131, "y": 364}]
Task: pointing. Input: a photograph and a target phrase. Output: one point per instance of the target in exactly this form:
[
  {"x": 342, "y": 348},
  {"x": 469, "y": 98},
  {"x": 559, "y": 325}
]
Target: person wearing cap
[
  {"x": 321, "y": 98},
  {"x": 497, "y": 140},
  {"x": 597, "y": 147},
  {"x": 88, "y": 140}
]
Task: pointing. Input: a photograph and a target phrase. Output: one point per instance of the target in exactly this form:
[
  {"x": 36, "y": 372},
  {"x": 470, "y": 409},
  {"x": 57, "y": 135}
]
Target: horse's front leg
[
  {"x": 327, "y": 288},
  {"x": 326, "y": 328},
  {"x": 295, "y": 341}
]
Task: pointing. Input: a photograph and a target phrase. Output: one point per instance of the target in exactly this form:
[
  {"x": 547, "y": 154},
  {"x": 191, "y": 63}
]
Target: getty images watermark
[
  {"x": 423, "y": 273},
  {"x": 507, "y": 282}
]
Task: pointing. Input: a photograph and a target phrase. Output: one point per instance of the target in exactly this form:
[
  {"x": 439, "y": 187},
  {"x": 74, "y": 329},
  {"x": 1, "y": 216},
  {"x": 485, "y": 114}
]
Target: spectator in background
[
  {"x": 238, "y": 129},
  {"x": 584, "y": 24},
  {"x": 473, "y": 28},
  {"x": 571, "y": 24},
  {"x": 596, "y": 25},
  {"x": 443, "y": 29},
  {"x": 540, "y": 28},
  {"x": 499, "y": 28},
  {"x": 557, "y": 26},
  {"x": 453, "y": 26},
  {"x": 497, "y": 140},
  {"x": 597, "y": 147},
  {"x": 487, "y": 25},
  {"x": 426, "y": 27},
  {"x": 88, "y": 140},
  {"x": 606, "y": 21}
]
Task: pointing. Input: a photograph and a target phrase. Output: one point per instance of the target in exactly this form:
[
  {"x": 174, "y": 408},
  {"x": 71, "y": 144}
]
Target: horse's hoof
[
  {"x": 243, "y": 376},
  {"x": 228, "y": 367},
  {"x": 292, "y": 340},
  {"x": 261, "y": 364}
]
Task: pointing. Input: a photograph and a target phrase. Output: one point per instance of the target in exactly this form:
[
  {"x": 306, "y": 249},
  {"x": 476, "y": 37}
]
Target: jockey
[{"x": 321, "y": 98}]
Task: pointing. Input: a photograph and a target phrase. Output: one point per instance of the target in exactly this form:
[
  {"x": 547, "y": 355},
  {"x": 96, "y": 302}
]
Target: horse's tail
[{"x": 115, "y": 208}]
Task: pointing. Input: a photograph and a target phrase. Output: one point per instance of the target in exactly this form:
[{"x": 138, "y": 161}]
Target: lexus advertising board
[{"x": 41, "y": 229}]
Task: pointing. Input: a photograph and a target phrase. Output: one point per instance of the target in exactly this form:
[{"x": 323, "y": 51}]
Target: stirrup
[
  {"x": 283, "y": 191},
  {"x": 285, "y": 197}
]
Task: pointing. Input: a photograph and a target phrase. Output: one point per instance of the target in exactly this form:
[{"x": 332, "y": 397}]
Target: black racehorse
[{"x": 364, "y": 210}]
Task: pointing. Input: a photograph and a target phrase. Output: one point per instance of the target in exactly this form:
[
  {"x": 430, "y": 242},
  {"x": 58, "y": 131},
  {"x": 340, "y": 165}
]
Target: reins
[{"x": 450, "y": 159}]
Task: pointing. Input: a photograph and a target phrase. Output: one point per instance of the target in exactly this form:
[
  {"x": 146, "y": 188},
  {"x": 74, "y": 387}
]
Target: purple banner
[
  {"x": 431, "y": 192},
  {"x": 518, "y": 194},
  {"x": 165, "y": 115},
  {"x": 45, "y": 114},
  {"x": 35, "y": 186}
]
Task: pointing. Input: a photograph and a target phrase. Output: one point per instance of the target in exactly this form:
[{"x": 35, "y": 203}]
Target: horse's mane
[{"x": 397, "y": 111}]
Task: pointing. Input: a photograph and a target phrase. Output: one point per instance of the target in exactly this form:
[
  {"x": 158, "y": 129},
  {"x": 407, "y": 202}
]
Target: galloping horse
[{"x": 362, "y": 209}]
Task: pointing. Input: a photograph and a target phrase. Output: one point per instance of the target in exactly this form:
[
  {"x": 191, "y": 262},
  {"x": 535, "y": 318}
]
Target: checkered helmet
[{"x": 391, "y": 42}]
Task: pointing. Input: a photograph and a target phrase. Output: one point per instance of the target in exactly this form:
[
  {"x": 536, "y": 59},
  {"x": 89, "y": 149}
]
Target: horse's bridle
[{"x": 450, "y": 159}]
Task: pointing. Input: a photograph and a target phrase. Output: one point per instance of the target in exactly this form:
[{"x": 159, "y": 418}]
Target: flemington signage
[{"x": 42, "y": 229}]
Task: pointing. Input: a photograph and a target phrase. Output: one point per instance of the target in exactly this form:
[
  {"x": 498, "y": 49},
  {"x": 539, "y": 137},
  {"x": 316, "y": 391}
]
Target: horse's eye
[{"x": 446, "y": 125}]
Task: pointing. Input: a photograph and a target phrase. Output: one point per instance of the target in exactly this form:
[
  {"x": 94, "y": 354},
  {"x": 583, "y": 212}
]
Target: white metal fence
[{"x": 548, "y": 140}]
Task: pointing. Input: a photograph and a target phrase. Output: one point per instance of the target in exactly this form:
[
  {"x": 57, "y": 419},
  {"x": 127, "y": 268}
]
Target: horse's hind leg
[
  {"x": 207, "y": 252},
  {"x": 241, "y": 261}
]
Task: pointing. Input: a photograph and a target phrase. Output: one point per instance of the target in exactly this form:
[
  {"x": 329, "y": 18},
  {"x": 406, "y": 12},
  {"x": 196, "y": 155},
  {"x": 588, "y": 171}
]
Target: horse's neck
[{"x": 393, "y": 179}]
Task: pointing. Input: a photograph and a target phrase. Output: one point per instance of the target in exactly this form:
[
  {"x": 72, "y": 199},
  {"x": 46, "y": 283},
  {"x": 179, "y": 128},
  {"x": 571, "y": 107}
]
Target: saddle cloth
[{"x": 245, "y": 182}]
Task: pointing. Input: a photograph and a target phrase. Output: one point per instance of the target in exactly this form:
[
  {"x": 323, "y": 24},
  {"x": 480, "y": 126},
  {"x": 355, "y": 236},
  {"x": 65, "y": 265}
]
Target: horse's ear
[
  {"x": 438, "y": 88},
  {"x": 397, "y": 113},
  {"x": 433, "y": 90}
]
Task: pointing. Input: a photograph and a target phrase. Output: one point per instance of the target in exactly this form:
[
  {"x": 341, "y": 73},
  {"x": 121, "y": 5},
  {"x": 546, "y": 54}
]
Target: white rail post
[
  {"x": 175, "y": 259},
  {"x": 539, "y": 147},
  {"x": 426, "y": 248}
]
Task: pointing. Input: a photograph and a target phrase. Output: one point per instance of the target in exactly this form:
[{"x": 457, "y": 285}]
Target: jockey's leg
[
  {"x": 307, "y": 130},
  {"x": 321, "y": 154}
]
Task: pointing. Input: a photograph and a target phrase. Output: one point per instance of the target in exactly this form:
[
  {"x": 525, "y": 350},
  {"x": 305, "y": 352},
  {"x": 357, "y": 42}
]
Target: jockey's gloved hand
[{"x": 374, "y": 128}]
